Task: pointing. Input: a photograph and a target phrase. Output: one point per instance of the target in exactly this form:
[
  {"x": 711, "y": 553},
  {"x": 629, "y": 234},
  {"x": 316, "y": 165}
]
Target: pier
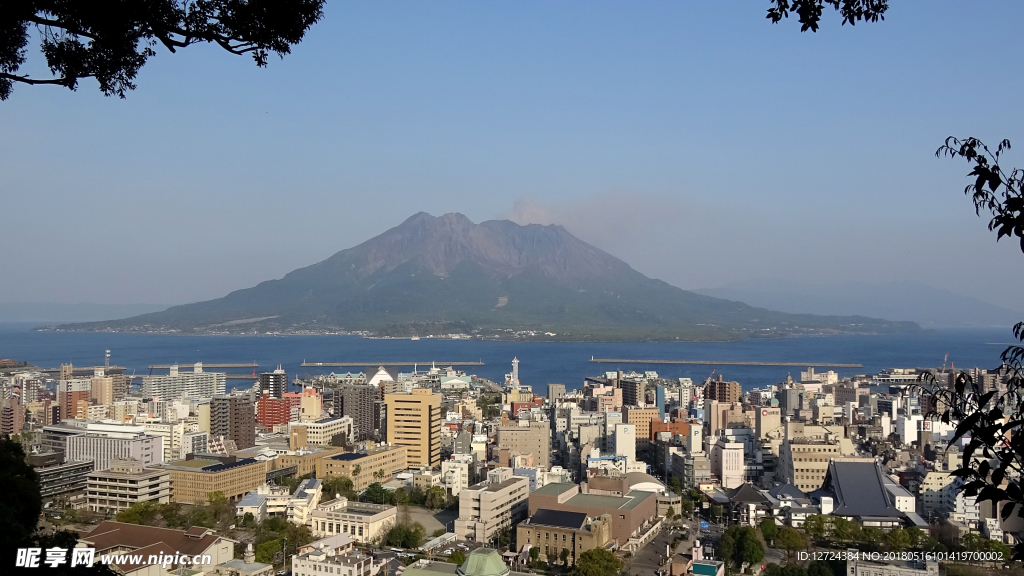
[
  {"x": 726, "y": 363},
  {"x": 204, "y": 364},
  {"x": 401, "y": 363}
]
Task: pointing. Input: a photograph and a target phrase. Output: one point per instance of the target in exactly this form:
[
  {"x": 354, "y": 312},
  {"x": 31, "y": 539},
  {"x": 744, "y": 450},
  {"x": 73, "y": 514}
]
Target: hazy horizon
[{"x": 701, "y": 144}]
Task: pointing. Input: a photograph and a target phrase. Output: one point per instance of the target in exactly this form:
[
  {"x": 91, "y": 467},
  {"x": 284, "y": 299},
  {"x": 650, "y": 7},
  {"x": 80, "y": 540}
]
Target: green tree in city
[
  {"x": 687, "y": 507},
  {"x": 377, "y": 494},
  {"x": 670, "y": 513},
  {"x": 457, "y": 557},
  {"x": 790, "y": 540},
  {"x": 769, "y": 529},
  {"x": 401, "y": 497},
  {"x": 140, "y": 513},
  {"x": 564, "y": 556},
  {"x": 597, "y": 562},
  {"x": 339, "y": 486},
  {"x": 916, "y": 536},
  {"x": 749, "y": 549},
  {"x": 675, "y": 485},
  {"x": 843, "y": 530},
  {"x": 435, "y": 498},
  {"x": 405, "y": 535},
  {"x": 534, "y": 554},
  {"x": 897, "y": 539},
  {"x": 356, "y": 472},
  {"x": 716, "y": 511},
  {"x": 871, "y": 535},
  {"x": 266, "y": 551}
]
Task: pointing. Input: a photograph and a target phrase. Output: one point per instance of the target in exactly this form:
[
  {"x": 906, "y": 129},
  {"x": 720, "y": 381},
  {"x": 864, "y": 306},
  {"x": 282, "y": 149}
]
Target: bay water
[{"x": 540, "y": 362}]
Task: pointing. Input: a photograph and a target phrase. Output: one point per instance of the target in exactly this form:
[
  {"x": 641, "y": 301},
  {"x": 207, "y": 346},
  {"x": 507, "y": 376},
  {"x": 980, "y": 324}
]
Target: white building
[
  {"x": 268, "y": 500},
  {"x": 180, "y": 384},
  {"x": 455, "y": 473},
  {"x": 105, "y": 442},
  {"x": 727, "y": 463},
  {"x": 322, "y": 431}
]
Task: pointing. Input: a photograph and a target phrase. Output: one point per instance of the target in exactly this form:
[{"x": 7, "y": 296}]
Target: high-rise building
[
  {"x": 12, "y": 416},
  {"x": 233, "y": 418},
  {"x": 555, "y": 392},
  {"x": 489, "y": 507},
  {"x": 70, "y": 392},
  {"x": 414, "y": 421},
  {"x": 642, "y": 418},
  {"x": 357, "y": 402},
  {"x": 723, "y": 391},
  {"x": 534, "y": 439},
  {"x": 195, "y": 384},
  {"x": 101, "y": 389},
  {"x": 276, "y": 382},
  {"x": 271, "y": 410},
  {"x": 120, "y": 386},
  {"x": 632, "y": 392}
]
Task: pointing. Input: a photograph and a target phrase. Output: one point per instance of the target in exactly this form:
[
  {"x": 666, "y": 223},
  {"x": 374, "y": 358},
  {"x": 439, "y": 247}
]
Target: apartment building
[
  {"x": 125, "y": 483},
  {"x": 414, "y": 421},
  {"x": 488, "y": 507},
  {"x": 932, "y": 493},
  {"x": 356, "y": 401},
  {"x": 361, "y": 521},
  {"x": 722, "y": 391},
  {"x": 805, "y": 454},
  {"x": 176, "y": 384},
  {"x": 271, "y": 410},
  {"x": 632, "y": 393},
  {"x": 233, "y": 418},
  {"x": 324, "y": 431},
  {"x": 69, "y": 393},
  {"x": 376, "y": 465},
  {"x": 534, "y": 439},
  {"x": 275, "y": 383},
  {"x": 642, "y": 419}
]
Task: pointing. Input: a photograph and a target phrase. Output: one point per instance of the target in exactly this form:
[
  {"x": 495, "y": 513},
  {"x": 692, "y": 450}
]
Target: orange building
[{"x": 675, "y": 428}]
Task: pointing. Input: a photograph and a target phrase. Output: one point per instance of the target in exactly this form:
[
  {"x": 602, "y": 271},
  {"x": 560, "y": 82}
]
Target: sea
[{"x": 540, "y": 363}]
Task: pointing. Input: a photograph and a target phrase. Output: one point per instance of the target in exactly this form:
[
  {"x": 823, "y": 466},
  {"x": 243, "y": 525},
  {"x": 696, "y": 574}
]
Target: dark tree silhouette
[
  {"x": 808, "y": 12},
  {"x": 993, "y": 419},
  {"x": 993, "y": 461},
  {"x": 110, "y": 40}
]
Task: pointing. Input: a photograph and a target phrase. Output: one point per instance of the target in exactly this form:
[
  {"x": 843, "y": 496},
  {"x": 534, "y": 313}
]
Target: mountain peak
[{"x": 449, "y": 273}]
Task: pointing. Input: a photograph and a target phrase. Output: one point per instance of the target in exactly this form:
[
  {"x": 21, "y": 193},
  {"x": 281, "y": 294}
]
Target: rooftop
[
  {"x": 558, "y": 518},
  {"x": 627, "y": 502},
  {"x": 554, "y": 489},
  {"x": 243, "y": 566},
  {"x": 111, "y": 534}
]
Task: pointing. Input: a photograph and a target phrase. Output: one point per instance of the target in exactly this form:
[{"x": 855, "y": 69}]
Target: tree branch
[
  {"x": 57, "y": 24},
  {"x": 32, "y": 81}
]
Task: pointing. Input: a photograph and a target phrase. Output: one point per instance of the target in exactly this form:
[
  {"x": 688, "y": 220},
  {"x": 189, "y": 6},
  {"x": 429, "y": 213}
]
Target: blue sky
[{"x": 697, "y": 141}]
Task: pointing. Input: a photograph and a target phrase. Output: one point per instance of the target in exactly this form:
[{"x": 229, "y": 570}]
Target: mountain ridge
[{"x": 432, "y": 274}]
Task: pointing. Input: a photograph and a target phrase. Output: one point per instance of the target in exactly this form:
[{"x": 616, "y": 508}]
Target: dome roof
[
  {"x": 639, "y": 478},
  {"x": 483, "y": 562}
]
